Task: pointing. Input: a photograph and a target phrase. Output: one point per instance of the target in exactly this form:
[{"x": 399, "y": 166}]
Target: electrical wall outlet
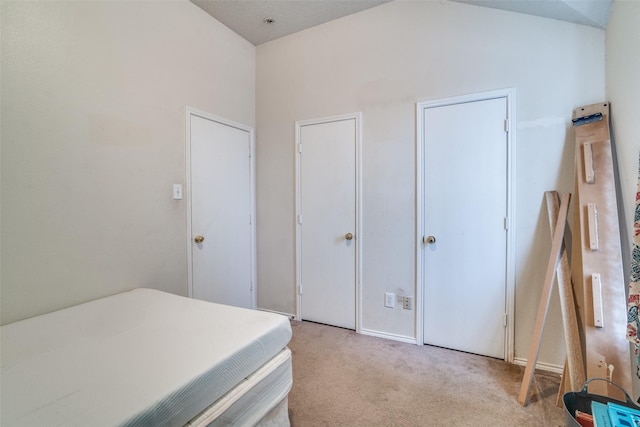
[
  {"x": 389, "y": 300},
  {"x": 407, "y": 303}
]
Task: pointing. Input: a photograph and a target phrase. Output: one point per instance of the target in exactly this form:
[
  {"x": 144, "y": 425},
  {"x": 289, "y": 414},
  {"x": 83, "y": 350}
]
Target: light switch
[{"x": 177, "y": 191}]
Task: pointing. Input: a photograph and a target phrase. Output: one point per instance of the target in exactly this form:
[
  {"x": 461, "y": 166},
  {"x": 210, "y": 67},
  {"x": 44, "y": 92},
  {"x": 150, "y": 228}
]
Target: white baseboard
[
  {"x": 290, "y": 316},
  {"x": 547, "y": 367},
  {"x": 394, "y": 337}
]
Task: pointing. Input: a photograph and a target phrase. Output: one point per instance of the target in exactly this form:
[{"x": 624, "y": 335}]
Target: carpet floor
[{"x": 341, "y": 378}]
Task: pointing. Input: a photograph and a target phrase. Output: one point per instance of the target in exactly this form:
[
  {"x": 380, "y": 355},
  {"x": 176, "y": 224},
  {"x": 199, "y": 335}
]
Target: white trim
[
  {"x": 511, "y": 232},
  {"x": 296, "y": 221},
  {"x": 510, "y": 95},
  {"x": 385, "y": 335},
  {"x": 187, "y": 198},
  {"x": 358, "y": 232},
  {"x": 189, "y": 112},
  {"x": 419, "y": 300},
  {"x": 547, "y": 367}
]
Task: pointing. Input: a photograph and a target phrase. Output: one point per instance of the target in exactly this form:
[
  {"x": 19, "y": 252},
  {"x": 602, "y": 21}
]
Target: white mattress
[
  {"x": 248, "y": 403},
  {"x": 143, "y": 357}
]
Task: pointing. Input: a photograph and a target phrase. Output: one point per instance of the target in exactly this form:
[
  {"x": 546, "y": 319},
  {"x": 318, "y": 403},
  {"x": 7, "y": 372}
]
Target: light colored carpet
[{"x": 341, "y": 378}]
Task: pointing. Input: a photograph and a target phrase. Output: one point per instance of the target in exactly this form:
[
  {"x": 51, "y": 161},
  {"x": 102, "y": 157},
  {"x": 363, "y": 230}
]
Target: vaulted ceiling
[
  {"x": 594, "y": 13},
  {"x": 260, "y": 21}
]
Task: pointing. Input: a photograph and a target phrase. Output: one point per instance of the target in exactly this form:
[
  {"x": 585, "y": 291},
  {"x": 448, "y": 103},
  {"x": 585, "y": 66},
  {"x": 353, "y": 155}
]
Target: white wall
[
  {"x": 623, "y": 90},
  {"x": 381, "y": 62},
  {"x": 93, "y": 137},
  {"x": 93, "y": 97}
]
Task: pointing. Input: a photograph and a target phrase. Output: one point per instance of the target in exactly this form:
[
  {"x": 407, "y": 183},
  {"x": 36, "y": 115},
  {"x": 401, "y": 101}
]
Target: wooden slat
[
  {"x": 543, "y": 307},
  {"x": 564, "y": 385},
  {"x": 575, "y": 361}
]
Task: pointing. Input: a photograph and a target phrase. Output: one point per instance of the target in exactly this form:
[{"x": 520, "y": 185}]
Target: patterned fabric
[{"x": 633, "y": 325}]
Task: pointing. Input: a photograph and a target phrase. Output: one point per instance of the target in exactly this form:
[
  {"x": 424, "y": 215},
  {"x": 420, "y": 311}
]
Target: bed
[{"x": 146, "y": 358}]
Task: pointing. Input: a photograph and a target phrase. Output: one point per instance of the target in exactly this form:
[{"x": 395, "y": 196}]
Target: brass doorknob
[
  {"x": 198, "y": 239},
  {"x": 348, "y": 236},
  {"x": 430, "y": 239}
]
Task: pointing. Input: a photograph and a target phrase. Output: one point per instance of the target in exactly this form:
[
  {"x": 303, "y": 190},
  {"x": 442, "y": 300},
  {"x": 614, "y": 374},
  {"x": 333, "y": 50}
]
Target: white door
[
  {"x": 221, "y": 211},
  {"x": 328, "y": 234},
  {"x": 465, "y": 210}
]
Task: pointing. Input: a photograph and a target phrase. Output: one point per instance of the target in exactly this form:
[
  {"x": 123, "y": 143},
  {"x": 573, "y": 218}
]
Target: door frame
[
  {"x": 192, "y": 112},
  {"x": 358, "y": 228},
  {"x": 510, "y": 95}
]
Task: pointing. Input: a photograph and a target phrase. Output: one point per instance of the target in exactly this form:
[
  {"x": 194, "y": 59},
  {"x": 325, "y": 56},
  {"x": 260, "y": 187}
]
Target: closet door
[
  {"x": 328, "y": 236},
  {"x": 465, "y": 226},
  {"x": 221, "y": 244}
]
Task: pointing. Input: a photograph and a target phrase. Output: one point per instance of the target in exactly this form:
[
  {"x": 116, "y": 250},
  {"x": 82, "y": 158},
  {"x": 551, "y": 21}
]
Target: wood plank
[
  {"x": 545, "y": 298},
  {"x": 606, "y": 345},
  {"x": 564, "y": 385},
  {"x": 574, "y": 362},
  {"x": 576, "y": 266}
]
